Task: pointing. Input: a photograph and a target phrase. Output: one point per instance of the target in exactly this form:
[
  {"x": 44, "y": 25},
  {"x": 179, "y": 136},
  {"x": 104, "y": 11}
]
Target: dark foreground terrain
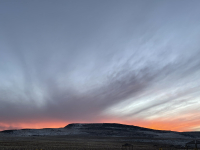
[
  {"x": 94, "y": 136},
  {"x": 78, "y": 142}
]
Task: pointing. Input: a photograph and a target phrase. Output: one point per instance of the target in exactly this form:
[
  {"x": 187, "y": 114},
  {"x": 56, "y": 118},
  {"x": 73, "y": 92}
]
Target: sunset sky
[{"x": 134, "y": 62}]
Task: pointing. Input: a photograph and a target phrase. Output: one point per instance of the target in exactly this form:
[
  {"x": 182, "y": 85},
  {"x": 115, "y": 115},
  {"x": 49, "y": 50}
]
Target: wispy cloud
[{"x": 99, "y": 61}]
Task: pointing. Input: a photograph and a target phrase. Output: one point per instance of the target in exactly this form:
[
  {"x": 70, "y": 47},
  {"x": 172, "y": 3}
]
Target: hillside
[
  {"x": 99, "y": 129},
  {"x": 105, "y": 130}
]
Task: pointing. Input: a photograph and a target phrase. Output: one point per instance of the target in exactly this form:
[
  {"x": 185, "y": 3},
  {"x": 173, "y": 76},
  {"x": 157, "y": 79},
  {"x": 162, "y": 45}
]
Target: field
[{"x": 76, "y": 143}]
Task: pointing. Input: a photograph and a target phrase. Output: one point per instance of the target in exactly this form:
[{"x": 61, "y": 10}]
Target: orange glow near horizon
[
  {"x": 35, "y": 125},
  {"x": 159, "y": 125}
]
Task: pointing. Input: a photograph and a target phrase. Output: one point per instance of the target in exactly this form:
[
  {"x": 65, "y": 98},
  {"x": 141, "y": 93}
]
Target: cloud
[
  {"x": 90, "y": 61},
  {"x": 69, "y": 103}
]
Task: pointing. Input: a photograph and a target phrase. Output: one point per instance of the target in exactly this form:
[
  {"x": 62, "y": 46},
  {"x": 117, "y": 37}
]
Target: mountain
[
  {"x": 102, "y": 130},
  {"x": 122, "y": 132}
]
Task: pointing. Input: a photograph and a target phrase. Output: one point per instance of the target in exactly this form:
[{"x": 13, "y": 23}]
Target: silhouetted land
[{"x": 94, "y": 136}]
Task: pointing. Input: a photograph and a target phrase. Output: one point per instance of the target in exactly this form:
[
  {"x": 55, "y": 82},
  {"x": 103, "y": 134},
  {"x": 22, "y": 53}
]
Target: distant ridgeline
[
  {"x": 101, "y": 129},
  {"x": 109, "y": 126},
  {"x": 89, "y": 129},
  {"x": 96, "y": 126}
]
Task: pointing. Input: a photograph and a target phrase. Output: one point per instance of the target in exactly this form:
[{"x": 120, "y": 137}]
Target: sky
[{"x": 98, "y": 61}]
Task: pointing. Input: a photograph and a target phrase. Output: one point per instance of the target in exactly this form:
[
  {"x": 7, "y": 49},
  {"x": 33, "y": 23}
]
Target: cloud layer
[{"x": 131, "y": 62}]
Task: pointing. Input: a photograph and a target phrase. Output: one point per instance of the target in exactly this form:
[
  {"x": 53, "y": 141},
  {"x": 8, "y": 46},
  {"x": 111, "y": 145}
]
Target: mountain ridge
[
  {"x": 110, "y": 125},
  {"x": 108, "y": 130},
  {"x": 93, "y": 125},
  {"x": 101, "y": 129}
]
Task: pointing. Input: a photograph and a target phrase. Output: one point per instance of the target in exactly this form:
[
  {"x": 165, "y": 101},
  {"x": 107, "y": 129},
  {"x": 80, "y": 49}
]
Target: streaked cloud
[{"x": 134, "y": 62}]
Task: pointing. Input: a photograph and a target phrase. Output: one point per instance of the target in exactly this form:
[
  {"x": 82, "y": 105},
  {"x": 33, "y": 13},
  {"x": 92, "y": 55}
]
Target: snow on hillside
[{"x": 97, "y": 129}]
